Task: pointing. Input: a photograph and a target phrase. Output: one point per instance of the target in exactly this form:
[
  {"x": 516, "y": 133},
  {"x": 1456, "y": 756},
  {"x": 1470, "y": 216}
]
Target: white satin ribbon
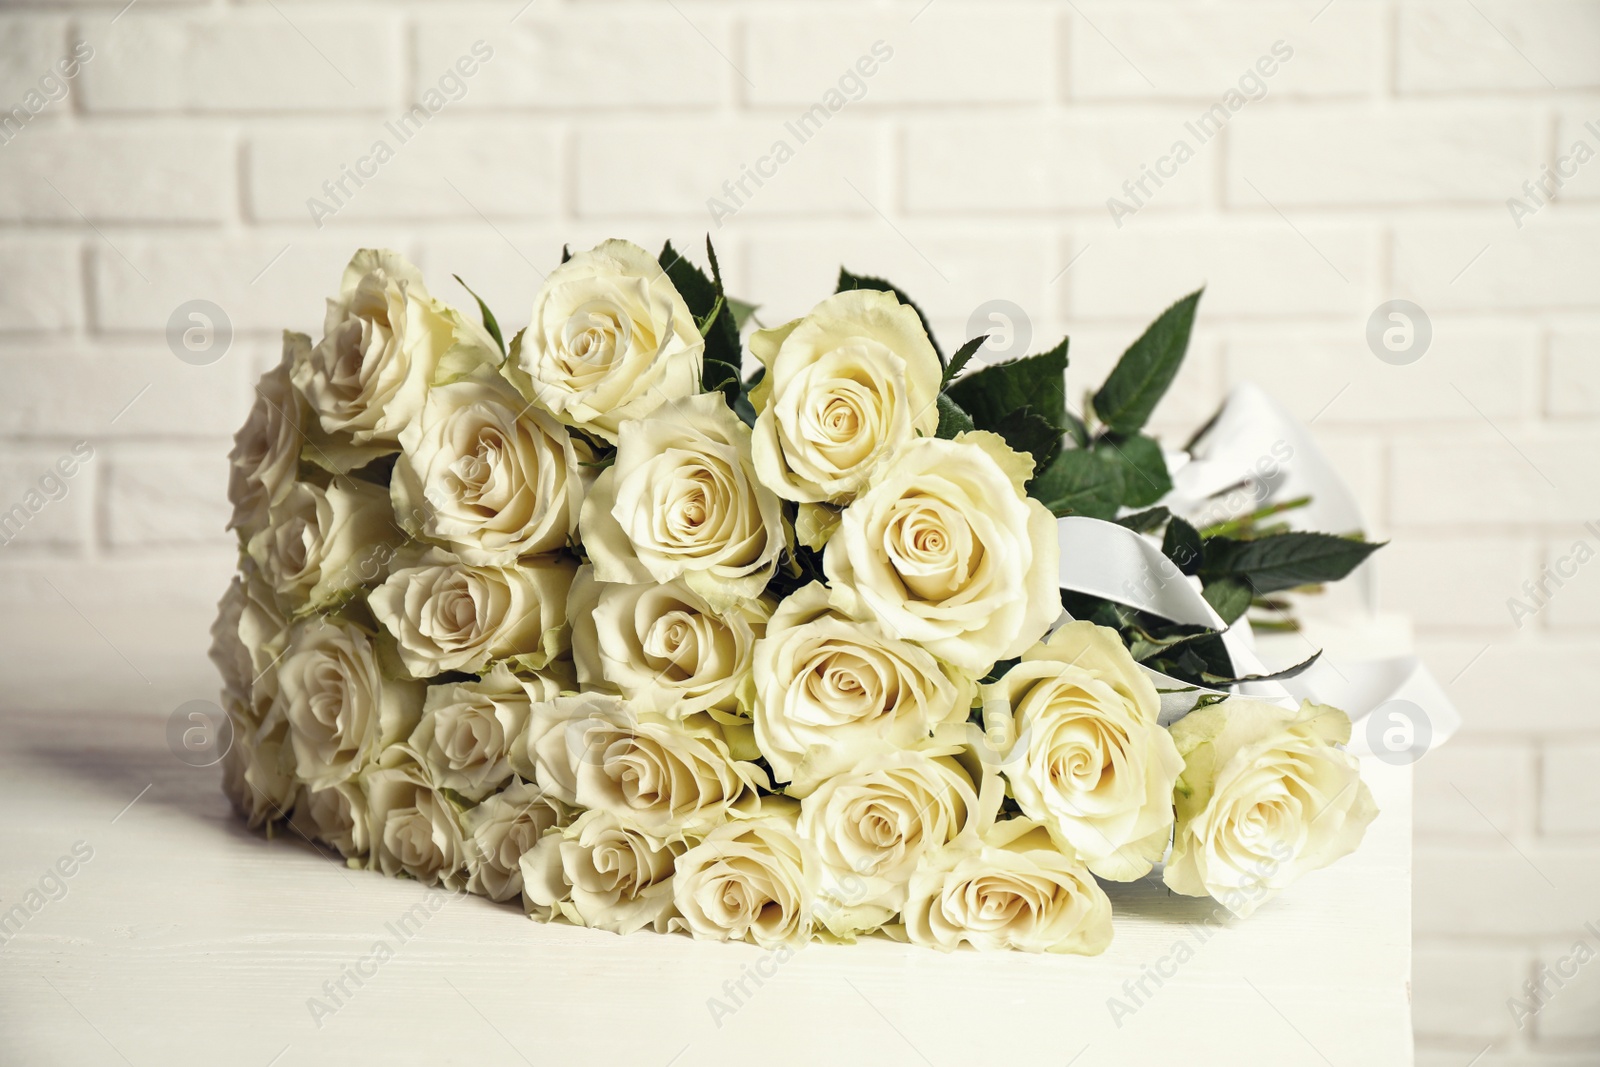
[{"x": 1256, "y": 444}]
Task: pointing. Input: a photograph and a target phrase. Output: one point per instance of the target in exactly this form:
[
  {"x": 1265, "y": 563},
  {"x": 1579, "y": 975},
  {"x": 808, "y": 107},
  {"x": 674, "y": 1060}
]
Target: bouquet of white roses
[{"x": 598, "y": 623}]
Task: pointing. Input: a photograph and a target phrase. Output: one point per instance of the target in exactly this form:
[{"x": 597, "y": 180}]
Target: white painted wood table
[{"x": 185, "y": 939}]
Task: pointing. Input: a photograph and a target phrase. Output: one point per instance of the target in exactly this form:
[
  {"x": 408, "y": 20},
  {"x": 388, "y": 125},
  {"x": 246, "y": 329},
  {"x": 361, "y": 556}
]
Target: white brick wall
[{"x": 975, "y": 165}]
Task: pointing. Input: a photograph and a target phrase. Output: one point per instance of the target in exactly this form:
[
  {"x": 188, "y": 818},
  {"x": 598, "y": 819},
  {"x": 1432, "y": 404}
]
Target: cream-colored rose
[
  {"x": 266, "y": 450},
  {"x": 502, "y": 830},
  {"x": 663, "y": 777},
  {"x": 946, "y": 549},
  {"x": 682, "y": 500},
  {"x": 228, "y": 652},
  {"x": 336, "y": 816},
  {"x": 1014, "y": 889},
  {"x": 258, "y": 770},
  {"x": 832, "y": 691},
  {"x": 600, "y": 872},
  {"x": 664, "y": 648},
  {"x": 320, "y": 545},
  {"x": 341, "y": 710},
  {"x": 752, "y": 879},
  {"x": 1076, "y": 724},
  {"x": 872, "y": 825},
  {"x": 446, "y": 615},
  {"x": 846, "y": 384},
  {"x": 610, "y": 340},
  {"x": 1265, "y": 796},
  {"x": 414, "y": 828},
  {"x": 247, "y": 640},
  {"x": 473, "y": 734},
  {"x": 487, "y": 475},
  {"x": 385, "y": 341}
]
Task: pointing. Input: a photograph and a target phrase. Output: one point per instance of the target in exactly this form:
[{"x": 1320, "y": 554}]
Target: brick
[
  {"x": 1576, "y": 137},
  {"x": 1548, "y": 264},
  {"x": 1455, "y": 581},
  {"x": 1471, "y": 789},
  {"x": 258, "y": 284},
  {"x": 1172, "y": 49},
  {"x": 1570, "y": 799},
  {"x": 30, "y": 45},
  {"x": 503, "y": 171},
  {"x": 125, "y": 391},
  {"x": 160, "y": 176},
  {"x": 1336, "y": 379},
  {"x": 1250, "y": 269},
  {"x": 649, "y": 58},
  {"x": 1040, "y": 165},
  {"x": 963, "y": 270},
  {"x": 1341, "y": 156},
  {"x": 257, "y": 61},
  {"x": 166, "y": 494},
  {"x": 1566, "y": 588},
  {"x": 42, "y": 505},
  {"x": 1571, "y": 1011},
  {"x": 1494, "y": 890},
  {"x": 44, "y": 285},
  {"x": 123, "y": 634},
  {"x": 1573, "y": 382},
  {"x": 688, "y": 163},
  {"x": 947, "y": 55},
  {"x": 1505, "y": 46},
  {"x": 1461, "y": 992},
  {"x": 1528, "y": 687},
  {"x": 1478, "y": 475}
]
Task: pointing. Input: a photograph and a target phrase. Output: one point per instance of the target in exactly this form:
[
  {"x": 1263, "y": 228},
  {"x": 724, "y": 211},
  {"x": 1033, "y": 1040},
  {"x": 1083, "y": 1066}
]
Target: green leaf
[
  {"x": 1230, "y": 597},
  {"x": 489, "y": 322},
  {"x": 1182, "y": 544},
  {"x": 1146, "y": 369},
  {"x": 962, "y": 356},
  {"x": 1146, "y": 521},
  {"x": 1028, "y": 431},
  {"x": 566, "y": 253},
  {"x": 1286, "y": 560},
  {"x": 994, "y": 394},
  {"x": 952, "y": 420},
  {"x": 719, "y": 369},
  {"x": 848, "y": 281},
  {"x": 1144, "y": 475},
  {"x": 742, "y": 311},
  {"x": 1079, "y": 482}
]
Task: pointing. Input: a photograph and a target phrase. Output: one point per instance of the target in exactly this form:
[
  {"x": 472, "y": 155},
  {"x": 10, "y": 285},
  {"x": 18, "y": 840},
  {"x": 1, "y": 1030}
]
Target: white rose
[
  {"x": 854, "y": 379},
  {"x": 385, "y": 341},
  {"x": 500, "y": 832},
  {"x": 489, "y": 476},
  {"x": 664, "y": 648},
  {"x": 682, "y": 500},
  {"x": 871, "y": 826},
  {"x": 341, "y": 710},
  {"x": 1076, "y": 722},
  {"x": 1012, "y": 890},
  {"x": 320, "y": 545},
  {"x": 601, "y": 873},
  {"x": 654, "y": 774},
  {"x": 832, "y": 691},
  {"x": 1265, "y": 796},
  {"x": 472, "y": 734},
  {"x": 258, "y": 769},
  {"x": 946, "y": 549},
  {"x": 266, "y": 450},
  {"x": 752, "y": 879},
  {"x": 336, "y": 816},
  {"x": 610, "y": 340},
  {"x": 446, "y": 615},
  {"x": 414, "y": 828}
]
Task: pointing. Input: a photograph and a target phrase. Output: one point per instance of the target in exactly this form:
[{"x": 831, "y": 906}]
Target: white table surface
[{"x": 188, "y": 940}]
